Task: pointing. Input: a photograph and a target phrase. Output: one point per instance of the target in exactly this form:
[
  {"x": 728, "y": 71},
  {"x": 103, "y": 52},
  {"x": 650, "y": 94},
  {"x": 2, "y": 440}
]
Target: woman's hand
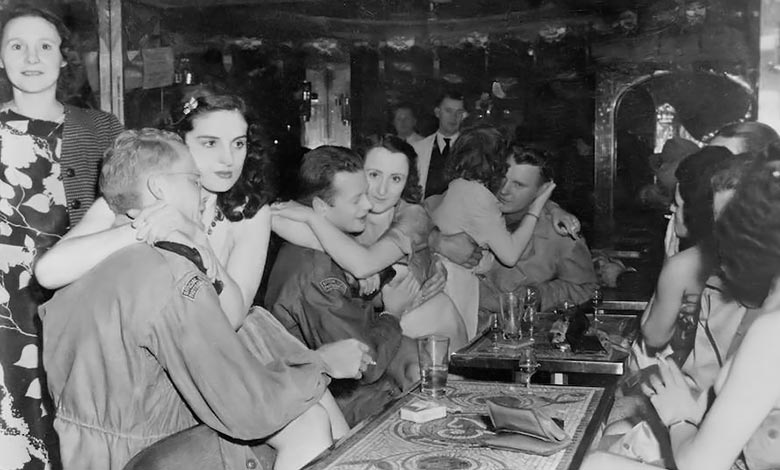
[
  {"x": 434, "y": 284},
  {"x": 369, "y": 285},
  {"x": 292, "y": 210},
  {"x": 160, "y": 220},
  {"x": 399, "y": 294},
  {"x": 564, "y": 223},
  {"x": 544, "y": 195},
  {"x": 671, "y": 240},
  {"x": 671, "y": 396}
]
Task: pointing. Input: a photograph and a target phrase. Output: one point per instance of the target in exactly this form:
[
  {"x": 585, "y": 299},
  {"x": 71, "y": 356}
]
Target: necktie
[
  {"x": 446, "y": 150},
  {"x": 435, "y": 183}
]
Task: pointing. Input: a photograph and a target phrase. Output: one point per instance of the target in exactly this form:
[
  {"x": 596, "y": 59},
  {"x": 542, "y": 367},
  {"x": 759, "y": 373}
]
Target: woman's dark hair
[
  {"x": 756, "y": 135},
  {"x": 747, "y": 234},
  {"x": 23, "y": 10},
  {"x": 694, "y": 178},
  {"x": 479, "y": 154},
  {"x": 412, "y": 192},
  {"x": 255, "y": 187}
]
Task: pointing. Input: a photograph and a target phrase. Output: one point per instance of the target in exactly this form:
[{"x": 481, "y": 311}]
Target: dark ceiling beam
[{"x": 168, "y": 4}]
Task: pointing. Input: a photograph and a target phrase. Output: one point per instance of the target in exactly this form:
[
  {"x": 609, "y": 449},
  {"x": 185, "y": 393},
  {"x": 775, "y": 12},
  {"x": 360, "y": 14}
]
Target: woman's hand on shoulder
[
  {"x": 292, "y": 210},
  {"x": 564, "y": 223},
  {"x": 541, "y": 199},
  {"x": 159, "y": 221}
]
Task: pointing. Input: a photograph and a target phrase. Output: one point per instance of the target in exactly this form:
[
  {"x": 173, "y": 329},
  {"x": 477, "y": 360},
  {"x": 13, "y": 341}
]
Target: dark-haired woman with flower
[
  {"x": 234, "y": 229},
  {"x": 49, "y": 157},
  {"x": 232, "y": 235}
]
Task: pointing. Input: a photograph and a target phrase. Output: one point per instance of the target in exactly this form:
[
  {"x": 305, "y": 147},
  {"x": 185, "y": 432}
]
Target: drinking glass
[
  {"x": 511, "y": 304},
  {"x": 529, "y": 313},
  {"x": 433, "y": 355},
  {"x": 526, "y": 366}
]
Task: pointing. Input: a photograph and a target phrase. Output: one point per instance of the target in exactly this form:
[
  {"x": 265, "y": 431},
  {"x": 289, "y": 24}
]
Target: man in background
[
  {"x": 433, "y": 150},
  {"x": 405, "y": 122}
]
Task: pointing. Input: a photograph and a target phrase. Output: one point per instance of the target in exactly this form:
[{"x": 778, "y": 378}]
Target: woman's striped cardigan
[{"x": 85, "y": 137}]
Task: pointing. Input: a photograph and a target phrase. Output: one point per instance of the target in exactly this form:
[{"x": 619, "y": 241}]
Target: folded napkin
[{"x": 524, "y": 429}]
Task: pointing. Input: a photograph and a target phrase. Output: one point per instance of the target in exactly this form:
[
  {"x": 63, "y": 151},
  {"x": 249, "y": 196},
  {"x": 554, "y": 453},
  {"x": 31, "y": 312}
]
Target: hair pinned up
[{"x": 256, "y": 186}]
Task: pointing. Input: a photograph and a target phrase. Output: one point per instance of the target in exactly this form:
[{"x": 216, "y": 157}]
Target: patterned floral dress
[{"x": 33, "y": 217}]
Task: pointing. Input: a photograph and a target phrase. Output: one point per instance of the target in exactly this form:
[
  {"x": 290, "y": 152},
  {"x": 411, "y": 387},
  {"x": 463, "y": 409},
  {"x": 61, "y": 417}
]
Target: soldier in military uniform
[
  {"x": 318, "y": 302},
  {"x": 139, "y": 348}
]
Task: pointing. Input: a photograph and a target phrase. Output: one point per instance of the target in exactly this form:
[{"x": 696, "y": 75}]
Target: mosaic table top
[{"x": 386, "y": 442}]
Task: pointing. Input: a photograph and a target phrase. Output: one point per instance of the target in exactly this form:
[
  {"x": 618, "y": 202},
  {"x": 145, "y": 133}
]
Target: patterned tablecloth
[{"x": 455, "y": 442}]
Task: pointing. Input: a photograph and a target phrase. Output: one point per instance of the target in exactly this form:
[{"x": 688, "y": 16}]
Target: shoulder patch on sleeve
[
  {"x": 333, "y": 283},
  {"x": 192, "y": 286}
]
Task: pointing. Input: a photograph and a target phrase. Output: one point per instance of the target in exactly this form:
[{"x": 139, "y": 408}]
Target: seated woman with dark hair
[
  {"x": 396, "y": 234},
  {"x": 682, "y": 279},
  {"x": 741, "y": 423},
  {"x": 749, "y": 138},
  {"x": 688, "y": 319}
]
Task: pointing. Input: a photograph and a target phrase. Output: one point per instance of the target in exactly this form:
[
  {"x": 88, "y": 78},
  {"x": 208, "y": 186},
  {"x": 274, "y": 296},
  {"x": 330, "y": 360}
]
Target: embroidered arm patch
[
  {"x": 333, "y": 283},
  {"x": 191, "y": 288}
]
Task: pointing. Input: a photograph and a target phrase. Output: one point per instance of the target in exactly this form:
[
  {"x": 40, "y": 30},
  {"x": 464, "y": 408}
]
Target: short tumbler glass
[{"x": 434, "y": 357}]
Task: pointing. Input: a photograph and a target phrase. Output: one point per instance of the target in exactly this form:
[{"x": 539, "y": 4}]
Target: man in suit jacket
[{"x": 433, "y": 150}]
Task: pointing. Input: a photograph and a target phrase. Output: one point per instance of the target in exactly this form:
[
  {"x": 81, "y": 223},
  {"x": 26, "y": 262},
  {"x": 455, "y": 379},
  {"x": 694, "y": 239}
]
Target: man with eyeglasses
[
  {"x": 139, "y": 349},
  {"x": 433, "y": 150}
]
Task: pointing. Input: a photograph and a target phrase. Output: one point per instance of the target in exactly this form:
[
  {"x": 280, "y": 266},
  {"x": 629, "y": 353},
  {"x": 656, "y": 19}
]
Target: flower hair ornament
[{"x": 190, "y": 106}]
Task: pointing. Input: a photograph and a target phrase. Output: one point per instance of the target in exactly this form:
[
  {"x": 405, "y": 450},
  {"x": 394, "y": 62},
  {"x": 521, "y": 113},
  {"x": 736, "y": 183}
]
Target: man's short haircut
[
  {"x": 530, "y": 155},
  {"x": 452, "y": 94},
  {"x": 319, "y": 167},
  {"x": 135, "y": 154}
]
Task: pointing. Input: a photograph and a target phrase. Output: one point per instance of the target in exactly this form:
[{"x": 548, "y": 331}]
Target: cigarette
[
  {"x": 372, "y": 362},
  {"x": 667, "y": 216}
]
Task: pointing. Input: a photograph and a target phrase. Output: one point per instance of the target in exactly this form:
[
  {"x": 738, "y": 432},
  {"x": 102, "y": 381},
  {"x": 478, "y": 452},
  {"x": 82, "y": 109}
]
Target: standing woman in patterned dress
[{"x": 49, "y": 158}]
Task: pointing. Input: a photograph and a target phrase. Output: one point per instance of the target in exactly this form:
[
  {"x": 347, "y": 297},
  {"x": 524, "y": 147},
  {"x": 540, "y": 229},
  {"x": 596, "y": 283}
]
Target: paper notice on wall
[{"x": 158, "y": 67}]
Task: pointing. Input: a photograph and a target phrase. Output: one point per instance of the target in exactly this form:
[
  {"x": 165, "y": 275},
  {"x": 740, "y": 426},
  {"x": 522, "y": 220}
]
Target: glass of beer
[{"x": 434, "y": 357}]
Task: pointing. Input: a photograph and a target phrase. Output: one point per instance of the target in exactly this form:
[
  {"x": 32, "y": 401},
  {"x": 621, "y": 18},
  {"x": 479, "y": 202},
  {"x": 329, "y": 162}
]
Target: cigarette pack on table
[{"x": 421, "y": 411}]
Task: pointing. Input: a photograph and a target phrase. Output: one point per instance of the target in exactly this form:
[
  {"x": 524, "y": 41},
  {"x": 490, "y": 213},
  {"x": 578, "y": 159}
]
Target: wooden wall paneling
[{"x": 111, "y": 56}]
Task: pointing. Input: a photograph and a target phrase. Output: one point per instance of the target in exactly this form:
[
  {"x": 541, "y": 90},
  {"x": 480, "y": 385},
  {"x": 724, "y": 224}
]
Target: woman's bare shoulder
[
  {"x": 253, "y": 226},
  {"x": 685, "y": 263}
]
